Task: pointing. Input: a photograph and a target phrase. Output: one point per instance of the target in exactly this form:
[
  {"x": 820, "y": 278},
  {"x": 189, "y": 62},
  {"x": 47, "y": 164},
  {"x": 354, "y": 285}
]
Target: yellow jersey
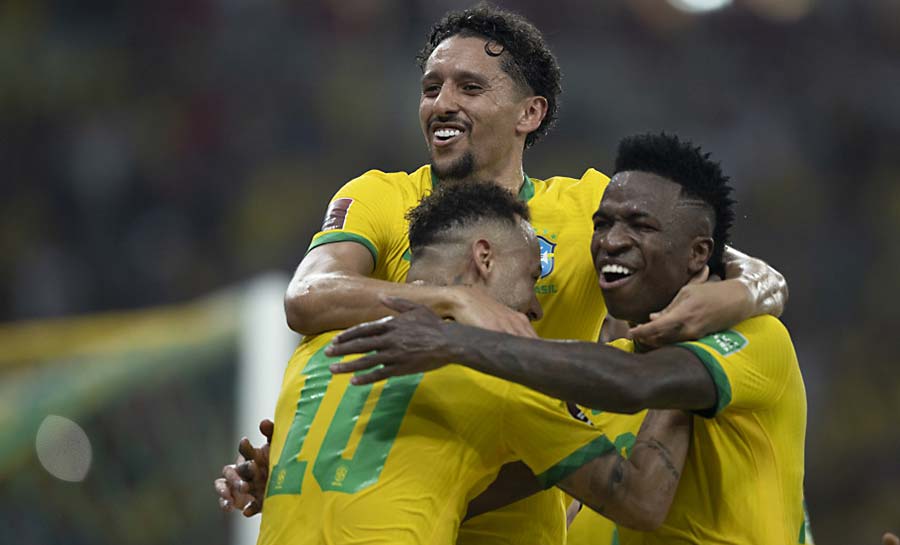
[
  {"x": 370, "y": 210},
  {"x": 399, "y": 461},
  {"x": 743, "y": 478}
]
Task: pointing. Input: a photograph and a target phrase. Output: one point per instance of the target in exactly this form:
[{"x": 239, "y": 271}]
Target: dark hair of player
[
  {"x": 685, "y": 164},
  {"x": 530, "y": 62},
  {"x": 460, "y": 205}
]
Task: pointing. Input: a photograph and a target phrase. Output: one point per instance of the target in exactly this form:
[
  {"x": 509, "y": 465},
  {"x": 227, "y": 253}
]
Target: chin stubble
[{"x": 457, "y": 170}]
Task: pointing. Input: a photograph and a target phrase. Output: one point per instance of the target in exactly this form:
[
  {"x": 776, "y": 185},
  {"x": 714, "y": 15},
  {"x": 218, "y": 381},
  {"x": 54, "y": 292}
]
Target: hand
[
  {"x": 413, "y": 341},
  {"x": 699, "y": 308},
  {"x": 243, "y": 483},
  {"x": 473, "y": 306},
  {"x": 890, "y": 539}
]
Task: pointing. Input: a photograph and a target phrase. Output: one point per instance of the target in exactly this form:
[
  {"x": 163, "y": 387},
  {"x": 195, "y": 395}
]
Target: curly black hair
[
  {"x": 699, "y": 177},
  {"x": 530, "y": 62},
  {"x": 454, "y": 205}
]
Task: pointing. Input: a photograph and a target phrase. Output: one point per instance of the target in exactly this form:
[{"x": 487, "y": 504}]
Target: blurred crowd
[{"x": 154, "y": 151}]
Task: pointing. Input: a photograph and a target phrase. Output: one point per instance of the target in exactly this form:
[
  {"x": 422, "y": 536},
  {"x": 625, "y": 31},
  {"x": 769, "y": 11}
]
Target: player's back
[{"x": 396, "y": 462}]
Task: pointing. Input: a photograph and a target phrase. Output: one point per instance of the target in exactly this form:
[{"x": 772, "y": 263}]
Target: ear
[
  {"x": 533, "y": 112},
  {"x": 482, "y": 259},
  {"x": 701, "y": 251}
]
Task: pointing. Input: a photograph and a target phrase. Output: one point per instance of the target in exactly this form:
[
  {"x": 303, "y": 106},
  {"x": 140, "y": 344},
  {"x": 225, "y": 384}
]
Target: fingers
[
  {"x": 246, "y": 449},
  {"x": 359, "y": 345},
  {"x": 890, "y": 539},
  {"x": 361, "y": 364},
  {"x": 383, "y": 373},
  {"x": 267, "y": 428},
  {"x": 252, "y": 508},
  {"x": 701, "y": 276},
  {"x": 233, "y": 480},
  {"x": 250, "y": 472},
  {"x": 657, "y": 332},
  {"x": 226, "y": 500},
  {"x": 369, "y": 329}
]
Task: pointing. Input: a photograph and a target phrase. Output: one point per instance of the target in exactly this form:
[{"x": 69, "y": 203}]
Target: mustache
[{"x": 448, "y": 119}]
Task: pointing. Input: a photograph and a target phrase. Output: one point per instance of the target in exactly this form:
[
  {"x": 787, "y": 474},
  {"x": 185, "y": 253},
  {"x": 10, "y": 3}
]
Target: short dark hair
[
  {"x": 530, "y": 62},
  {"x": 461, "y": 204},
  {"x": 699, "y": 177}
]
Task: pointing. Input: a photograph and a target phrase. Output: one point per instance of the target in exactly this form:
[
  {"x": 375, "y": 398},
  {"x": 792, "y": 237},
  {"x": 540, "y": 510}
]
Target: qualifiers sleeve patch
[
  {"x": 725, "y": 342},
  {"x": 336, "y": 214}
]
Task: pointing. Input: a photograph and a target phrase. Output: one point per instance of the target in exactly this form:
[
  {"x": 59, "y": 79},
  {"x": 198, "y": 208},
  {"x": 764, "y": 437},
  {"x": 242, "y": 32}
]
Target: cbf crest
[{"x": 548, "y": 252}]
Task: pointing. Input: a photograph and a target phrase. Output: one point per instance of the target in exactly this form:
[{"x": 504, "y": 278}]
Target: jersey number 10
[{"x": 331, "y": 470}]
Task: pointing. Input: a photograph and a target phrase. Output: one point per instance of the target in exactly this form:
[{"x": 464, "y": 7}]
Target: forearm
[
  {"x": 590, "y": 374},
  {"x": 637, "y": 492},
  {"x": 329, "y": 301},
  {"x": 766, "y": 288}
]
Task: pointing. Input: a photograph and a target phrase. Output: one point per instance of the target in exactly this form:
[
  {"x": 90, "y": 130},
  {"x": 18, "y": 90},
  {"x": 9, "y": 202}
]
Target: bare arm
[
  {"x": 751, "y": 287},
  {"x": 767, "y": 288},
  {"x": 635, "y": 492},
  {"x": 331, "y": 289},
  {"x": 593, "y": 375},
  {"x": 590, "y": 374}
]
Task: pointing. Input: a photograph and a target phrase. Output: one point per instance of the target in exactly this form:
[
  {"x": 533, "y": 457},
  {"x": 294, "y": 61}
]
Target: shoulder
[
  {"x": 397, "y": 179},
  {"x": 385, "y": 185},
  {"x": 763, "y": 340},
  {"x": 585, "y": 190},
  {"x": 764, "y": 328}
]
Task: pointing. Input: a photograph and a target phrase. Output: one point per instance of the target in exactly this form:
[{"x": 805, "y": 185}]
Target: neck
[
  {"x": 432, "y": 273},
  {"x": 506, "y": 172}
]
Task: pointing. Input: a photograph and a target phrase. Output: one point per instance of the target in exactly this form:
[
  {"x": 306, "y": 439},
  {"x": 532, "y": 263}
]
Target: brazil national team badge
[{"x": 548, "y": 250}]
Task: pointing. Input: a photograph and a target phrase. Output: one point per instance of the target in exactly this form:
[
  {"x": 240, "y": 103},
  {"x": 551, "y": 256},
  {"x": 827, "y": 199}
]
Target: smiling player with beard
[{"x": 489, "y": 90}]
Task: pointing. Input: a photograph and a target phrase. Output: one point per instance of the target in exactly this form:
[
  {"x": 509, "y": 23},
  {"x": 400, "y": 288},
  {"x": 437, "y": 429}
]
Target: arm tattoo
[{"x": 663, "y": 453}]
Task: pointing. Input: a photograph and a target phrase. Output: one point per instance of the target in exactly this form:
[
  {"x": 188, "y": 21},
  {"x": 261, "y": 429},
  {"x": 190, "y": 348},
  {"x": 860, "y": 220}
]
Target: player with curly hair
[{"x": 490, "y": 86}]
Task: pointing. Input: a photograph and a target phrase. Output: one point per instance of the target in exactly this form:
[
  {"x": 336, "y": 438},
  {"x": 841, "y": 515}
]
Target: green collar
[{"x": 526, "y": 192}]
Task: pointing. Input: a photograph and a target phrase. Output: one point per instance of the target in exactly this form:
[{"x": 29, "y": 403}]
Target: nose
[
  {"x": 445, "y": 103},
  {"x": 615, "y": 240},
  {"x": 535, "y": 312}
]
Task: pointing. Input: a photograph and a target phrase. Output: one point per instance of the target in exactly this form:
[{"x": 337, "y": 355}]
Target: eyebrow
[
  {"x": 629, "y": 214},
  {"x": 458, "y": 74}
]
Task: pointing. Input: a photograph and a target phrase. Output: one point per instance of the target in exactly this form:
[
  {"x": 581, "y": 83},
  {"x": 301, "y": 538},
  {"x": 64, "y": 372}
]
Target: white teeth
[
  {"x": 446, "y": 133},
  {"x": 615, "y": 269}
]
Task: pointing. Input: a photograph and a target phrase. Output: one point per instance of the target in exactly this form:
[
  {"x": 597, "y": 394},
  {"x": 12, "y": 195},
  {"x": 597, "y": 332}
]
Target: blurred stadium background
[{"x": 157, "y": 156}]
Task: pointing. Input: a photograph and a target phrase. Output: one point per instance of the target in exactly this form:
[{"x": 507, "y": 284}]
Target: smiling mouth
[
  {"x": 613, "y": 275},
  {"x": 444, "y": 136}
]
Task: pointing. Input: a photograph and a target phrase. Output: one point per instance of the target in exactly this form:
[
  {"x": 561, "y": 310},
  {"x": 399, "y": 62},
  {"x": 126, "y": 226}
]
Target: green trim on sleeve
[
  {"x": 723, "y": 386},
  {"x": 597, "y": 447},
  {"x": 527, "y": 189},
  {"x": 343, "y": 236}
]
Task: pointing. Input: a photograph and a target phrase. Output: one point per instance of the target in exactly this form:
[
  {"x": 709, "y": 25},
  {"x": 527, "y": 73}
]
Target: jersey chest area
[{"x": 567, "y": 288}]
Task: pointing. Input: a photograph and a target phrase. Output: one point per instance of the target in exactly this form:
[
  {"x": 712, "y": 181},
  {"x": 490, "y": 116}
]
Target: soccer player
[
  {"x": 399, "y": 463},
  {"x": 489, "y": 89},
  {"x": 664, "y": 217}
]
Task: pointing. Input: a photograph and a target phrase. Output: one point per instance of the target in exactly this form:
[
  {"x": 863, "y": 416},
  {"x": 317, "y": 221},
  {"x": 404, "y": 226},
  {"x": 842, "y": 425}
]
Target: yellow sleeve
[
  {"x": 550, "y": 436},
  {"x": 366, "y": 210},
  {"x": 750, "y": 364}
]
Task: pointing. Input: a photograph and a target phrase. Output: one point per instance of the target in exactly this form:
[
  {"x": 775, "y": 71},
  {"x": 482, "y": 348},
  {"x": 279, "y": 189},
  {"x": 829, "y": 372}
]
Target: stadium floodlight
[{"x": 699, "y": 6}]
